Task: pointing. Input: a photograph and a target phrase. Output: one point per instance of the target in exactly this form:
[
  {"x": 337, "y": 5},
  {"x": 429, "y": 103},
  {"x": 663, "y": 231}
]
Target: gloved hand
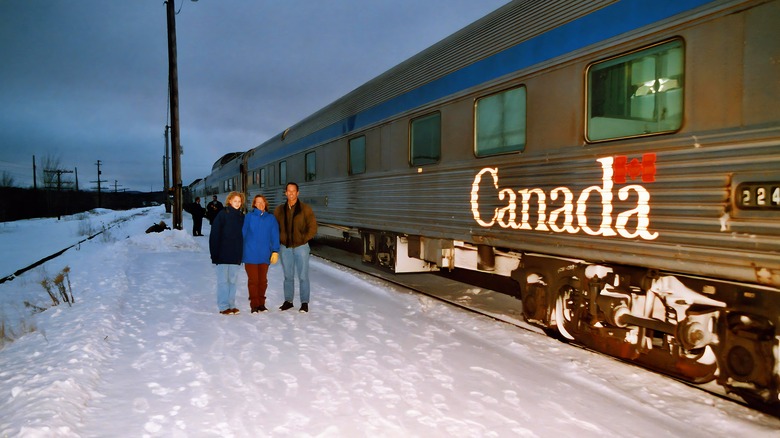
[{"x": 274, "y": 257}]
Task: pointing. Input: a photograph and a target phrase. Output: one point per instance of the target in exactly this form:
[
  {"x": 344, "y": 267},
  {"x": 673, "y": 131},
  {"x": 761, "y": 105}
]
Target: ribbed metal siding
[
  {"x": 689, "y": 199},
  {"x": 509, "y": 25}
]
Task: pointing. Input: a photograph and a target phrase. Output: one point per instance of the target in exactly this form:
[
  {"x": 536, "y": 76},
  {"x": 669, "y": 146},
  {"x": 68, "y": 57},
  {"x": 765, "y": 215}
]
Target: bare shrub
[
  {"x": 85, "y": 227},
  {"x": 47, "y": 285},
  {"x": 9, "y": 332},
  {"x": 61, "y": 281}
]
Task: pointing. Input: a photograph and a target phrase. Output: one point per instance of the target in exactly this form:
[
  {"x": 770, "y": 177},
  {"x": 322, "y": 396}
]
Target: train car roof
[
  {"x": 518, "y": 35},
  {"x": 226, "y": 159}
]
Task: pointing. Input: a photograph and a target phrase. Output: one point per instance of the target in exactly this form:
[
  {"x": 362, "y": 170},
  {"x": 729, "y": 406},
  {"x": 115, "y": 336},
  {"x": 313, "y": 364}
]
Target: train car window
[
  {"x": 425, "y": 140},
  {"x": 311, "y": 166},
  {"x": 500, "y": 123},
  {"x": 357, "y": 155},
  {"x": 262, "y": 178},
  {"x": 282, "y": 173},
  {"x": 636, "y": 94}
]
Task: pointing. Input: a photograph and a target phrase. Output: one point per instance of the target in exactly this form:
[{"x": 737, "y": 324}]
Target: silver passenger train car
[
  {"x": 226, "y": 176},
  {"x": 619, "y": 159}
]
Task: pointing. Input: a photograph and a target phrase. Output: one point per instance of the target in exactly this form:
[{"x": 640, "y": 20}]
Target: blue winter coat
[
  {"x": 261, "y": 237},
  {"x": 226, "y": 239}
]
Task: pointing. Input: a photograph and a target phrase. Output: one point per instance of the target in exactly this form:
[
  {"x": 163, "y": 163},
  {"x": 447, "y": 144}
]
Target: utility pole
[
  {"x": 35, "y": 178},
  {"x": 76, "y": 169},
  {"x": 166, "y": 176},
  {"x": 99, "y": 172},
  {"x": 59, "y": 173},
  {"x": 173, "y": 84}
]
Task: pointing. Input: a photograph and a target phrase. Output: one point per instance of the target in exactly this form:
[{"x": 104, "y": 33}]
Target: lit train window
[
  {"x": 357, "y": 155},
  {"x": 425, "y": 140},
  {"x": 636, "y": 94},
  {"x": 311, "y": 166},
  {"x": 500, "y": 123},
  {"x": 282, "y": 173}
]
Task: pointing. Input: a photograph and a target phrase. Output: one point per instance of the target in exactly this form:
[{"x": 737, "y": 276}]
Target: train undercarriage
[{"x": 695, "y": 329}]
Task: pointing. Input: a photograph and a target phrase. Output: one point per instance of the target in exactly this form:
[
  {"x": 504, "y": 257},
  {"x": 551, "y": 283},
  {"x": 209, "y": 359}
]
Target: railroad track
[{"x": 56, "y": 254}]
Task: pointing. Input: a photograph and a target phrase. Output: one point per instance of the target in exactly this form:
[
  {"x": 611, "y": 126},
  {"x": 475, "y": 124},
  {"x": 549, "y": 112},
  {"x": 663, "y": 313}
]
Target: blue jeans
[
  {"x": 226, "y": 286},
  {"x": 295, "y": 260}
]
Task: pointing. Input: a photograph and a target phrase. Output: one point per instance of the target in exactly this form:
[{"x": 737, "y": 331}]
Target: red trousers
[{"x": 257, "y": 283}]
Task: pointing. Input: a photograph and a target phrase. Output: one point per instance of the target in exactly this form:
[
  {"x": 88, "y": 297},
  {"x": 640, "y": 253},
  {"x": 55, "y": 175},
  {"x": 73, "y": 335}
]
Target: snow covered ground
[{"x": 143, "y": 352}]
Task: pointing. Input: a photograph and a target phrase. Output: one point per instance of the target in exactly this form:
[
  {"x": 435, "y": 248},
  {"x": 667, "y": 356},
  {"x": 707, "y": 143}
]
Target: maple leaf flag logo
[{"x": 644, "y": 167}]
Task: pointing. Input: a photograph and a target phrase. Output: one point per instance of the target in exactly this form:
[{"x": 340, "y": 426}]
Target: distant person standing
[
  {"x": 197, "y": 213},
  {"x": 297, "y": 226},
  {"x": 213, "y": 208},
  {"x": 226, "y": 244},
  {"x": 261, "y": 249}
]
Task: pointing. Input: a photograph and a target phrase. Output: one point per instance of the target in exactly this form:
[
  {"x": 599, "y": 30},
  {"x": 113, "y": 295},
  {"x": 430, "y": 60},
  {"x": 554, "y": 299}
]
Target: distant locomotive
[{"x": 619, "y": 159}]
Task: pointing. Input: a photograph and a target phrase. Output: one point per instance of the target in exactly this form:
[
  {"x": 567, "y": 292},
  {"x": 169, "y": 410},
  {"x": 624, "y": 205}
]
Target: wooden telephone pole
[{"x": 173, "y": 84}]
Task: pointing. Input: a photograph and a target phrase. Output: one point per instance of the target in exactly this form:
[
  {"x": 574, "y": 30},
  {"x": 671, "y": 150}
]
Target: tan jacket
[{"x": 297, "y": 225}]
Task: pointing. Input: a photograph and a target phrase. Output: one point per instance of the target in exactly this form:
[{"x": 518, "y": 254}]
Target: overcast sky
[{"x": 87, "y": 80}]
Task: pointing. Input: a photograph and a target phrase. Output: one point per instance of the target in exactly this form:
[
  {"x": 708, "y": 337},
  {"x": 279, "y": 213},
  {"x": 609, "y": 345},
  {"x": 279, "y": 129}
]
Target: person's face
[
  {"x": 260, "y": 204},
  {"x": 292, "y": 194},
  {"x": 235, "y": 202}
]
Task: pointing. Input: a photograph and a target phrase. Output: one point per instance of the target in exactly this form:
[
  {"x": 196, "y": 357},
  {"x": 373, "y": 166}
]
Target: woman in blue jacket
[
  {"x": 261, "y": 248},
  {"x": 226, "y": 247}
]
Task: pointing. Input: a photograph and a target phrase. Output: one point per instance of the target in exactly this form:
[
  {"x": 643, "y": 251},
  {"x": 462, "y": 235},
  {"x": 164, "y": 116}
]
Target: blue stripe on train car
[{"x": 623, "y": 16}]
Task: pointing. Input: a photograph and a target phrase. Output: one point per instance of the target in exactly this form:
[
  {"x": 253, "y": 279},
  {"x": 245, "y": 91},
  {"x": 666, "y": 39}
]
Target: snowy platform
[{"x": 143, "y": 352}]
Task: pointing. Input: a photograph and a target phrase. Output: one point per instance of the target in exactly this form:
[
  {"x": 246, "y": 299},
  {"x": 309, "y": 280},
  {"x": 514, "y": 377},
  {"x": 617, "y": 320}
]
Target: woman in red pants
[{"x": 261, "y": 248}]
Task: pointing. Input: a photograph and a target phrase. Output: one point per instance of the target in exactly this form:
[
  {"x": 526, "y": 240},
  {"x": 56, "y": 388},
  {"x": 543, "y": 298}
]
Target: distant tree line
[{"x": 19, "y": 203}]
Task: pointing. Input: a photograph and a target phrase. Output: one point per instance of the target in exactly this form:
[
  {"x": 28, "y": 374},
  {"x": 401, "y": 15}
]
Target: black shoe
[
  {"x": 286, "y": 305},
  {"x": 259, "y": 309},
  {"x": 304, "y": 308}
]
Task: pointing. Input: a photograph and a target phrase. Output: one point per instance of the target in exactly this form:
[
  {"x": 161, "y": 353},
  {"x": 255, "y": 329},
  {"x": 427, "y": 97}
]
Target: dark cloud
[{"x": 87, "y": 80}]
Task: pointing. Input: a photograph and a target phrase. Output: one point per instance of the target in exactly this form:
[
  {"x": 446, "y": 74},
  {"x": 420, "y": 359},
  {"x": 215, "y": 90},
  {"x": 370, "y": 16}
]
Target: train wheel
[{"x": 565, "y": 307}]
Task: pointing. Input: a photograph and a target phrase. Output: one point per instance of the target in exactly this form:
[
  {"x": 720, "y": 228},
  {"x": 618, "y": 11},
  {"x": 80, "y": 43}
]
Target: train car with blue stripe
[
  {"x": 619, "y": 159},
  {"x": 227, "y": 175}
]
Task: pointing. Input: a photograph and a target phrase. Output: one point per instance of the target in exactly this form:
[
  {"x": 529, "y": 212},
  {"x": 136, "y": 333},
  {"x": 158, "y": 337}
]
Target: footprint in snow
[{"x": 140, "y": 405}]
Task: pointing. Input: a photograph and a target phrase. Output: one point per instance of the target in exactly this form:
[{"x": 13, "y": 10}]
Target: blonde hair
[{"x": 231, "y": 195}]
